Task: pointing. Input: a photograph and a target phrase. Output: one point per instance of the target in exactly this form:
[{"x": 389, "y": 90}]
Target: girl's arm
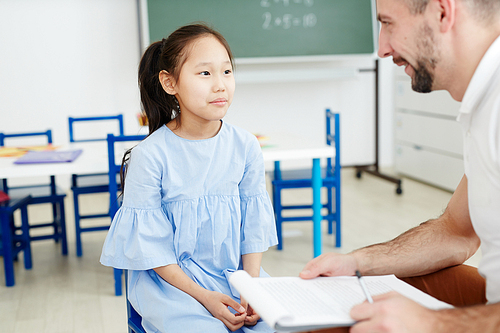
[
  {"x": 251, "y": 264},
  {"x": 213, "y": 301}
]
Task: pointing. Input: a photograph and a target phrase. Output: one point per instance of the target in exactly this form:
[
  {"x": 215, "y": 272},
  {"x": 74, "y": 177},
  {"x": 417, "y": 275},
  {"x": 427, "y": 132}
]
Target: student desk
[
  {"x": 285, "y": 146},
  {"x": 94, "y": 159}
]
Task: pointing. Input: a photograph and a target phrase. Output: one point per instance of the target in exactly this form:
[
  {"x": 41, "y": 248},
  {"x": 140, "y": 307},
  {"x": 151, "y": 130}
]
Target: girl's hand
[
  {"x": 218, "y": 303},
  {"x": 252, "y": 316}
]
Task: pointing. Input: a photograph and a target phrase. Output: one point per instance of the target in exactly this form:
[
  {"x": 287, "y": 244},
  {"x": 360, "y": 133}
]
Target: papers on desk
[
  {"x": 48, "y": 157},
  {"x": 263, "y": 140},
  {"x": 20, "y": 151}
]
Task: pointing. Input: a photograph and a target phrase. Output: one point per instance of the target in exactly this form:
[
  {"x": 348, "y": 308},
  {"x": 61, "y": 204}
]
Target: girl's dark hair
[{"x": 168, "y": 54}]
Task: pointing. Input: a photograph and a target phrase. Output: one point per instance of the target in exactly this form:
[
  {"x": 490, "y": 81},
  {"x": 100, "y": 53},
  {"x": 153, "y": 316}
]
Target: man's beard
[
  {"x": 424, "y": 75},
  {"x": 423, "y": 79}
]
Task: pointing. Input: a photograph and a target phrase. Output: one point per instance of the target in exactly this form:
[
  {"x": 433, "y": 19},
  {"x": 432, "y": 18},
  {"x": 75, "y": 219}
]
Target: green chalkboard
[{"x": 273, "y": 28}]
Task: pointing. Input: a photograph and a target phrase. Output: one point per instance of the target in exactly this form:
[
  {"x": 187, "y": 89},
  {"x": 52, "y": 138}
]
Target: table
[
  {"x": 281, "y": 146},
  {"x": 93, "y": 159}
]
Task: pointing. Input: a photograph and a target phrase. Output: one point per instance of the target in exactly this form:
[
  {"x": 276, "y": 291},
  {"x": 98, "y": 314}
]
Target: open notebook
[
  {"x": 52, "y": 156},
  {"x": 292, "y": 304}
]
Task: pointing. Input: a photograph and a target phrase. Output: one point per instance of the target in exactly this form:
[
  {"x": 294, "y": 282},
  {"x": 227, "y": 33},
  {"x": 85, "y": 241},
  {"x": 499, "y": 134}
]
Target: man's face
[{"x": 409, "y": 39}]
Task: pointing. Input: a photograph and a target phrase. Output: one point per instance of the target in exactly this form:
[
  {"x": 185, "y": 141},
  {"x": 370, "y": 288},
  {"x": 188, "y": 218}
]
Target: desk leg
[
  {"x": 316, "y": 187},
  {"x": 7, "y": 248}
]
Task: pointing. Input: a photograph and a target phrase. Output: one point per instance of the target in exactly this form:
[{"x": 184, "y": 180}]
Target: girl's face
[{"x": 205, "y": 87}]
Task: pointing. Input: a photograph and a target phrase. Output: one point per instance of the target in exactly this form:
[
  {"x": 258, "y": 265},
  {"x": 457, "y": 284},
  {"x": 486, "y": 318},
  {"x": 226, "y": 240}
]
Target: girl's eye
[
  {"x": 205, "y": 73},
  {"x": 228, "y": 71}
]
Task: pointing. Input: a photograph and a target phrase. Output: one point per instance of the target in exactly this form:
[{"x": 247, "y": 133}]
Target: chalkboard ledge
[{"x": 287, "y": 75}]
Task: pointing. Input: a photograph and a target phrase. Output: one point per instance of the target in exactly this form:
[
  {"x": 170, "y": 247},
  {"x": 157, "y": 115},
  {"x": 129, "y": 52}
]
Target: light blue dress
[{"x": 200, "y": 204}]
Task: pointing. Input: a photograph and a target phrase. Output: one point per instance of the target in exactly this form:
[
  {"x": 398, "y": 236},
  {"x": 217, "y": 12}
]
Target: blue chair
[
  {"x": 302, "y": 179},
  {"x": 41, "y": 194},
  {"x": 89, "y": 183},
  {"x": 114, "y": 204},
  {"x": 134, "y": 319},
  {"x": 14, "y": 240}
]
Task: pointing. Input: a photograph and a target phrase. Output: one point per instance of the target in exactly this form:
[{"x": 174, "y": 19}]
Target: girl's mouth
[{"x": 219, "y": 101}]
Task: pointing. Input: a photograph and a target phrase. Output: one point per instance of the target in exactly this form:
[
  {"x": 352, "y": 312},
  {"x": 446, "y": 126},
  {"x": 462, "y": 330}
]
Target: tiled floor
[{"x": 72, "y": 295}]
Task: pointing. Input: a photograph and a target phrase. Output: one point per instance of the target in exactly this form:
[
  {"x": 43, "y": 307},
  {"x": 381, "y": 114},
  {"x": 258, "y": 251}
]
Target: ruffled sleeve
[
  {"x": 258, "y": 228},
  {"x": 140, "y": 237}
]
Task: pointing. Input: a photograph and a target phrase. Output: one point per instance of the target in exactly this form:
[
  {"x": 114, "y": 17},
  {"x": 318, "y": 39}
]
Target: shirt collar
[{"x": 484, "y": 73}]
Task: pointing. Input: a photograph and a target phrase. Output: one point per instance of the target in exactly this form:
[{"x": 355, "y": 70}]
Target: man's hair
[
  {"x": 416, "y": 6},
  {"x": 482, "y": 10}
]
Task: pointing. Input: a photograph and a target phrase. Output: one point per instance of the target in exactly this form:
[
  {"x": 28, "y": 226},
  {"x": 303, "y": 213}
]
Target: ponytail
[{"x": 158, "y": 106}]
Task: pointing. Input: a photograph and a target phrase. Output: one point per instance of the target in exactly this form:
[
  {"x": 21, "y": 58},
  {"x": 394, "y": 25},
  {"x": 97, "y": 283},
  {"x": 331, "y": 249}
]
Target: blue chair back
[
  {"x": 113, "y": 170},
  {"x": 47, "y": 134},
  {"x": 335, "y": 139},
  {"x": 133, "y": 318},
  {"x": 72, "y": 120},
  {"x": 83, "y": 184},
  {"x": 46, "y": 193}
]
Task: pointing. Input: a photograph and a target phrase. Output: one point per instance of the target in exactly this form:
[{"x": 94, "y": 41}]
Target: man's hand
[
  {"x": 330, "y": 264},
  {"x": 392, "y": 312},
  {"x": 217, "y": 304}
]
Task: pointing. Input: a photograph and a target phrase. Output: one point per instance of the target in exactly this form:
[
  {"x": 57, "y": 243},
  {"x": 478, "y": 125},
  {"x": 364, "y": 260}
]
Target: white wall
[
  {"x": 61, "y": 58},
  {"x": 298, "y": 104}
]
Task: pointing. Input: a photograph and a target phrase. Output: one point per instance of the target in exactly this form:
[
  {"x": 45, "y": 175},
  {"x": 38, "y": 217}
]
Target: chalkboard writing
[{"x": 273, "y": 28}]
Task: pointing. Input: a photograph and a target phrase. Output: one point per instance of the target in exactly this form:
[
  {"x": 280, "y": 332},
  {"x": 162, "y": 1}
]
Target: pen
[{"x": 363, "y": 286}]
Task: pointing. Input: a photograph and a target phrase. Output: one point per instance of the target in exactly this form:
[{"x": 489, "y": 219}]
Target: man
[{"x": 452, "y": 45}]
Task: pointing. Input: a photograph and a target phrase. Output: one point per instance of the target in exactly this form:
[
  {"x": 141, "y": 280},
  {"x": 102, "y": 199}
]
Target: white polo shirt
[{"x": 480, "y": 119}]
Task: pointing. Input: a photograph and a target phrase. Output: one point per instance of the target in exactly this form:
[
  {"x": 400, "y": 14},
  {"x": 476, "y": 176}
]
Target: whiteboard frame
[{"x": 142, "y": 6}]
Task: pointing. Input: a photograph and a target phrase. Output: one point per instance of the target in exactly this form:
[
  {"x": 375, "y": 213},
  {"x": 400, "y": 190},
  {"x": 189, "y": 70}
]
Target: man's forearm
[
  {"x": 421, "y": 250},
  {"x": 446, "y": 241}
]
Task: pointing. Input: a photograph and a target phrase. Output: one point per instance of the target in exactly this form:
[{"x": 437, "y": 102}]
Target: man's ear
[
  {"x": 167, "y": 82},
  {"x": 447, "y": 12}
]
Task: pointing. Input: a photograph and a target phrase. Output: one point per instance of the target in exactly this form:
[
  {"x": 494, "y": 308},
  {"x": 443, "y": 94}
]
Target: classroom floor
[{"x": 73, "y": 295}]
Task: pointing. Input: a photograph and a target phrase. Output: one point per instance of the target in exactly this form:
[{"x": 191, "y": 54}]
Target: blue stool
[
  {"x": 303, "y": 179},
  {"x": 89, "y": 183},
  {"x": 12, "y": 242}
]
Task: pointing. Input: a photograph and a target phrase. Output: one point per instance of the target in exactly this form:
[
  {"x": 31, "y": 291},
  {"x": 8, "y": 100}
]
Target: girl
[{"x": 195, "y": 206}]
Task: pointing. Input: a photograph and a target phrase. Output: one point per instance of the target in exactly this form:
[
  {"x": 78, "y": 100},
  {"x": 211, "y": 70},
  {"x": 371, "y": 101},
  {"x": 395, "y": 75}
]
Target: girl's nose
[{"x": 219, "y": 85}]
